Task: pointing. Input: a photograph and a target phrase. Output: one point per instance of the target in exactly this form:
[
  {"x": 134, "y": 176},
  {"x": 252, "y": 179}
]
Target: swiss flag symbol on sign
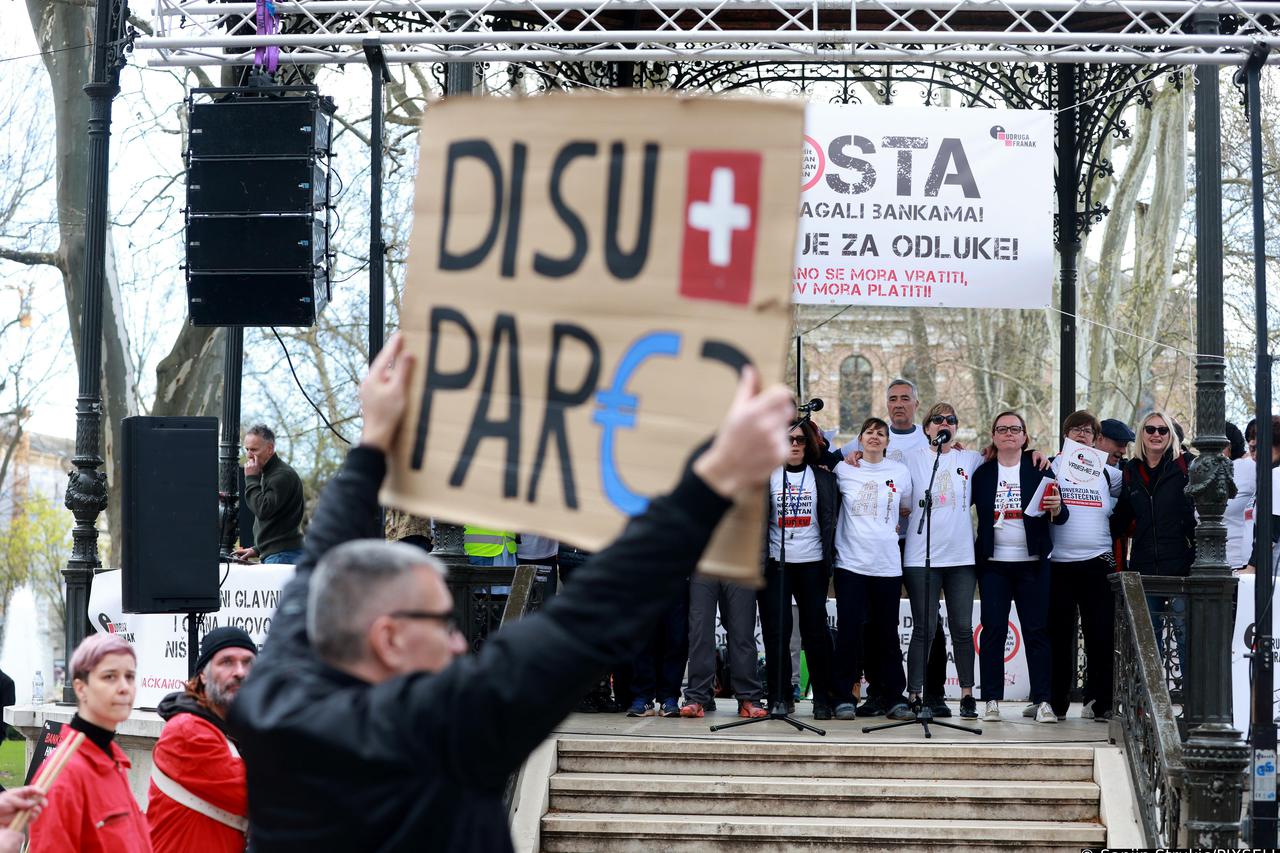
[{"x": 721, "y": 212}]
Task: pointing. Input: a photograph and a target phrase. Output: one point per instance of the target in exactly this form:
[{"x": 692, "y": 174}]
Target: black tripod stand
[
  {"x": 777, "y": 704},
  {"x": 924, "y": 716}
]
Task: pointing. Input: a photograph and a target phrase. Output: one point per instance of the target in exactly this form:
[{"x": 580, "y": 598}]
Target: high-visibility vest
[{"x": 483, "y": 542}]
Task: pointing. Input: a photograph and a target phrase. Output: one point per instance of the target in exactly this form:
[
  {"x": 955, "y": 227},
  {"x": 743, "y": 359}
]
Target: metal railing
[
  {"x": 483, "y": 596},
  {"x": 1145, "y": 713}
]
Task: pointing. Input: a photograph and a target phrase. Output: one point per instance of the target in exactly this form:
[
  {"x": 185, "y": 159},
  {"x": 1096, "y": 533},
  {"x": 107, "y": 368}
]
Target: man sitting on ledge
[{"x": 362, "y": 725}]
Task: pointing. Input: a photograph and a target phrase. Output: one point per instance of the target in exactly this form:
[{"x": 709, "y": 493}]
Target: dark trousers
[
  {"x": 619, "y": 681},
  {"x": 657, "y": 671},
  {"x": 1081, "y": 586},
  {"x": 808, "y": 582},
  {"x": 1027, "y": 585},
  {"x": 867, "y": 607}
]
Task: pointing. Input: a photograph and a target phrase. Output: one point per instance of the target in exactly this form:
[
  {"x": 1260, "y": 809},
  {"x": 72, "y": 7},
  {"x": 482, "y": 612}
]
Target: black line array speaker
[
  {"x": 169, "y": 515},
  {"x": 258, "y": 206}
]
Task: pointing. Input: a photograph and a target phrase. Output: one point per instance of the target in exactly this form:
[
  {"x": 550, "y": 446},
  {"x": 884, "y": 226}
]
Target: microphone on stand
[
  {"x": 943, "y": 436},
  {"x": 814, "y": 405}
]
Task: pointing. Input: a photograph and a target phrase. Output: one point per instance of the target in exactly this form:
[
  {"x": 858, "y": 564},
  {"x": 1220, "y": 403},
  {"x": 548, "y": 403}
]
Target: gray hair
[
  {"x": 262, "y": 431},
  {"x": 908, "y": 383},
  {"x": 354, "y": 584}
]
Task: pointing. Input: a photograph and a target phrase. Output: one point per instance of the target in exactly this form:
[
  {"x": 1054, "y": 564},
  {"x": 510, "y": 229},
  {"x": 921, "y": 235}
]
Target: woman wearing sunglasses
[
  {"x": 1154, "y": 511},
  {"x": 951, "y": 571},
  {"x": 810, "y": 499},
  {"x": 1013, "y": 561}
]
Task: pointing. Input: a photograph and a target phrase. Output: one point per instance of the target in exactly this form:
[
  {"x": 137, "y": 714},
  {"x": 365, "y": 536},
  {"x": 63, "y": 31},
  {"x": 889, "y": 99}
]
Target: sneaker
[
  {"x": 1044, "y": 713},
  {"x": 670, "y": 707},
  {"x": 938, "y": 706},
  {"x": 787, "y": 708},
  {"x": 692, "y": 709},
  {"x": 1087, "y": 713},
  {"x": 847, "y": 711},
  {"x": 968, "y": 707},
  {"x": 796, "y": 695},
  {"x": 821, "y": 711},
  {"x": 709, "y": 705},
  {"x": 1030, "y": 710},
  {"x": 1104, "y": 717},
  {"x": 749, "y": 710},
  {"x": 992, "y": 714},
  {"x": 901, "y": 711},
  {"x": 871, "y": 708},
  {"x": 641, "y": 708}
]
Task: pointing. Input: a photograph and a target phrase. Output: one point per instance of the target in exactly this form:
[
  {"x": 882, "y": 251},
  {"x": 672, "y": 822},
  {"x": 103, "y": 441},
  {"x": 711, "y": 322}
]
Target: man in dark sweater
[
  {"x": 364, "y": 727},
  {"x": 273, "y": 492}
]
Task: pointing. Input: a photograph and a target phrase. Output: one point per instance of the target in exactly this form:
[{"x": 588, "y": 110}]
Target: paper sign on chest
[{"x": 586, "y": 276}]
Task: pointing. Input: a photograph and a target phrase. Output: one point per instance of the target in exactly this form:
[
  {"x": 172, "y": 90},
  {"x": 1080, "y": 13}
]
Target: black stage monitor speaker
[
  {"x": 258, "y": 204},
  {"x": 169, "y": 515}
]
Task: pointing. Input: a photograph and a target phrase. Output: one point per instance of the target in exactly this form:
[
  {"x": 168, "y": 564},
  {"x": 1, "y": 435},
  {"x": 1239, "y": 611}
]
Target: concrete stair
[{"x": 720, "y": 795}]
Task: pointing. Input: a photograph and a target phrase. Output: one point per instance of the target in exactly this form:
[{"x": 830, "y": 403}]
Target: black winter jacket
[
  {"x": 419, "y": 762},
  {"x": 1162, "y": 516},
  {"x": 1039, "y": 539}
]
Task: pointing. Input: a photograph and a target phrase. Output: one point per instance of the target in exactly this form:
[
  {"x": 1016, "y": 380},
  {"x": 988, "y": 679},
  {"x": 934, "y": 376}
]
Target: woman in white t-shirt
[
  {"x": 1080, "y": 569},
  {"x": 1238, "y": 517},
  {"x": 950, "y": 551},
  {"x": 868, "y": 576}
]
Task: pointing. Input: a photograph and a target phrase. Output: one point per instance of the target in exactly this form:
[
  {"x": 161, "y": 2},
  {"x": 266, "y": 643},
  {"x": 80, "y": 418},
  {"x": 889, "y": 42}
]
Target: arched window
[{"x": 855, "y": 393}]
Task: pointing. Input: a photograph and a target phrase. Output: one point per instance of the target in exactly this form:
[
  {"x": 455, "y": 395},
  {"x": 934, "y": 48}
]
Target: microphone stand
[
  {"x": 924, "y": 716},
  {"x": 777, "y": 705}
]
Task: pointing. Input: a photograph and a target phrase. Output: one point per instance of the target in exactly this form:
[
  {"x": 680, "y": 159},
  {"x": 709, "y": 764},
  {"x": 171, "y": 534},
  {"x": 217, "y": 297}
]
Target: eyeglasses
[
  {"x": 796, "y": 440},
  {"x": 1008, "y": 430},
  {"x": 1151, "y": 429},
  {"x": 447, "y": 618},
  {"x": 949, "y": 420},
  {"x": 1080, "y": 430}
]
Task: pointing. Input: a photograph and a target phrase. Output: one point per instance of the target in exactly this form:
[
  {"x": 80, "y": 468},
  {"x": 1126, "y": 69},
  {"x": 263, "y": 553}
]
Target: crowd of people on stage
[
  {"x": 849, "y": 523},
  {"x": 364, "y": 725}
]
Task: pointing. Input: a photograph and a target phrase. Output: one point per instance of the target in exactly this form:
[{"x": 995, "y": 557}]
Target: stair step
[
  {"x": 817, "y": 797},
  {"x": 619, "y": 833},
  {"x": 705, "y": 757}
]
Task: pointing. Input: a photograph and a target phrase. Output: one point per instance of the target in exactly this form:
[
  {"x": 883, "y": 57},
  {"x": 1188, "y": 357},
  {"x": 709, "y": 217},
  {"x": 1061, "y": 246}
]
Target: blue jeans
[
  {"x": 506, "y": 558},
  {"x": 923, "y": 586},
  {"x": 289, "y": 558}
]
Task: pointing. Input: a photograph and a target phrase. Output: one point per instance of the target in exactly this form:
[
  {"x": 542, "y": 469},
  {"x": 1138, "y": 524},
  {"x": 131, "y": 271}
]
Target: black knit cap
[{"x": 227, "y": 637}]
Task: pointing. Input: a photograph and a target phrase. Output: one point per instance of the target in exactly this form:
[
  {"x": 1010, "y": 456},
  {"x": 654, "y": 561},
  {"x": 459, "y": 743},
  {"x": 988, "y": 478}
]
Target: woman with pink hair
[{"x": 91, "y": 808}]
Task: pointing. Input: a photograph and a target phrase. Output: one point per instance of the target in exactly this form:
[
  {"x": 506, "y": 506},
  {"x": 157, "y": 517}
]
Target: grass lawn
[{"x": 13, "y": 767}]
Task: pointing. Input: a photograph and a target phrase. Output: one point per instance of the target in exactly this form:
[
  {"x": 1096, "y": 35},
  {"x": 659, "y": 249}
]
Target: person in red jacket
[
  {"x": 198, "y": 798},
  {"x": 90, "y": 807}
]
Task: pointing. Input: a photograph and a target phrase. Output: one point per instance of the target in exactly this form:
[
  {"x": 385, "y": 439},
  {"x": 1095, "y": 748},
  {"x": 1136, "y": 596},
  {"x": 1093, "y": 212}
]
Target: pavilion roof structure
[{"x": 321, "y": 32}]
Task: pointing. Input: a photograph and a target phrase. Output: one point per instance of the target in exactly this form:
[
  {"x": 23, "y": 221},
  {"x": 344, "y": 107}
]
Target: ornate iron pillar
[
  {"x": 459, "y": 77},
  {"x": 229, "y": 441},
  {"x": 1067, "y": 178},
  {"x": 86, "y": 495},
  {"x": 1215, "y": 755}
]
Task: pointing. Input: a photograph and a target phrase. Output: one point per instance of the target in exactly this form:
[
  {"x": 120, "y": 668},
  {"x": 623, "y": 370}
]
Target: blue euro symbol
[{"x": 617, "y": 410}]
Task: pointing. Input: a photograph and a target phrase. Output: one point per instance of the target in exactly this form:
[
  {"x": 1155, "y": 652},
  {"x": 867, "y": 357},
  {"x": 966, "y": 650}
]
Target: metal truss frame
[{"x": 323, "y": 32}]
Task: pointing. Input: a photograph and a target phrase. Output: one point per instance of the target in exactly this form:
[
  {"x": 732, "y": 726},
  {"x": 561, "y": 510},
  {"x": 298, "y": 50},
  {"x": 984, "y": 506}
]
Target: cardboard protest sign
[
  {"x": 586, "y": 277},
  {"x": 926, "y": 207},
  {"x": 1082, "y": 476}
]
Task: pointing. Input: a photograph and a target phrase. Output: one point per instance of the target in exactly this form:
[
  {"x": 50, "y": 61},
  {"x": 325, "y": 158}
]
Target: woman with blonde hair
[
  {"x": 1155, "y": 513},
  {"x": 91, "y": 808}
]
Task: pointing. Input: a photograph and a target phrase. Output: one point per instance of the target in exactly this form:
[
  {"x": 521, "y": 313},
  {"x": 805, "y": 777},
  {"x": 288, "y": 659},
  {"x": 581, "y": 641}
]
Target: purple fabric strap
[{"x": 266, "y": 26}]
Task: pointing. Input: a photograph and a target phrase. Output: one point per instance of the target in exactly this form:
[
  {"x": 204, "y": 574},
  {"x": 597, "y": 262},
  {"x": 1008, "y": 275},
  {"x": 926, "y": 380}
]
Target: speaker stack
[{"x": 258, "y": 206}]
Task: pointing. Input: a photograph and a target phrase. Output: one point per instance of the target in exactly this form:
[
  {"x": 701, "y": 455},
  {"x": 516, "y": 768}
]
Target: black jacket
[
  {"x": 1162, "y": 517},
  {"x": 828, "y": 512},
  {"x": 419, "y": 762},
  {"x": 1039, "y": 539}
]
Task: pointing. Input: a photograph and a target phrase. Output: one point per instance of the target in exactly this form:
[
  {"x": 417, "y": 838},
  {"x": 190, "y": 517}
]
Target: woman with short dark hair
[{"x": 809, "y": 498}]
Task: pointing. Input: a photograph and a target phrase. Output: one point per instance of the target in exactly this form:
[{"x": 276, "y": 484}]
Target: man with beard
[{"x": 198, "y": 798}]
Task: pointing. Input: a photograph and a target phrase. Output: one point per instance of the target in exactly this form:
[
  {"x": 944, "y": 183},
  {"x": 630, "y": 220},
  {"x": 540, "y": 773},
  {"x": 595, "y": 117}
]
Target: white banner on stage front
[
  {"x": 249, "y": 598},
  {"x": 1241, "y": 642},
  {"x": 926, "y": 207}
]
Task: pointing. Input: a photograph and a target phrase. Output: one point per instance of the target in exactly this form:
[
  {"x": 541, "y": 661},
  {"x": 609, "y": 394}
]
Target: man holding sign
[{"x": 363, "y": 727}]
